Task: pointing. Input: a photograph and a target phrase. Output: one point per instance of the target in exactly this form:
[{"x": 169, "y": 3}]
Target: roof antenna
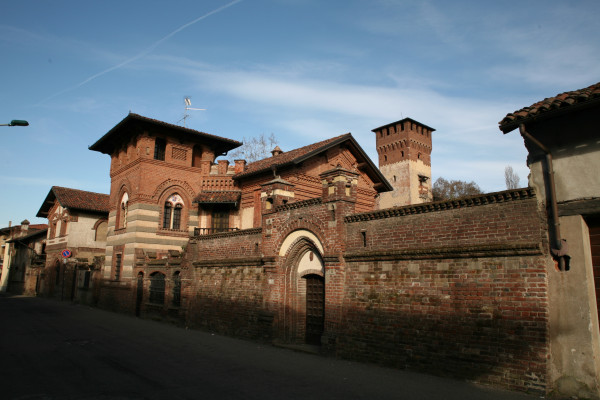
[{"x": 188, "y": 102}]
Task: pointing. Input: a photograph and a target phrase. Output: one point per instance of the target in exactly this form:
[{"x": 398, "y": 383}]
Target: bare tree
[
  {"x": 255, "y": 148},
  {"x": 511, "y": 178},
  {"x": 448, "y": 190}
]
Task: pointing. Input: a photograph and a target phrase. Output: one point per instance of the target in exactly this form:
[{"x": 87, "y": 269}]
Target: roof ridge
[
  {"x": 284, "y": 157},
  {"x": 79, "y": 190},
  {"x": 139, "y": 116}
]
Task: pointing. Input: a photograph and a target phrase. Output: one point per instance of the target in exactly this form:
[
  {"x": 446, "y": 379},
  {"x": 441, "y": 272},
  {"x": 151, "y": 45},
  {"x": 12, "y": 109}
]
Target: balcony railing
[{"x": 210, "y": 231}]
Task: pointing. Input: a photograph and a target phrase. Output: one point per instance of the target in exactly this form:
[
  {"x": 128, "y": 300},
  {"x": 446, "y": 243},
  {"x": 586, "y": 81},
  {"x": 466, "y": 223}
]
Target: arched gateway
[{"x": 304, "y": 288}]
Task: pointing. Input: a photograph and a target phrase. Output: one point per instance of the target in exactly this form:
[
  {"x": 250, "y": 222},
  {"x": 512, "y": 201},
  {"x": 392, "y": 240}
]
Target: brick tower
[{"x": 404, "y": 149}]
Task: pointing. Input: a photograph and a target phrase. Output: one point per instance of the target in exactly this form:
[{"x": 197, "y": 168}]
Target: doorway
[
  {"x": 315, "y": 308},
  {"x": 139, "y": 294}
]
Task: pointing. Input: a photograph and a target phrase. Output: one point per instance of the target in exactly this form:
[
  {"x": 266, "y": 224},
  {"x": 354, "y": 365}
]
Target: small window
[
  {"x": 157, "y": 288},
  {"x": 118, "y": 261},
  {"x": 160, "y": 146},
  {"x": 122, "y": 212}
]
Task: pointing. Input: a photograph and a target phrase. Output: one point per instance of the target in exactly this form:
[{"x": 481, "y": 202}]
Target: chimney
[
  {"x": 240, "y": 166},
  {"x": 25, "y": 226},
  {"x": 276, "y": 151},
  {"x": 223, "y": 164}
]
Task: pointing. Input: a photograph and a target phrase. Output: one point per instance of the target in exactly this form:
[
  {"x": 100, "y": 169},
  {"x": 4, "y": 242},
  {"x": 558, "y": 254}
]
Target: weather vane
[{"x": 188, "y": 102}]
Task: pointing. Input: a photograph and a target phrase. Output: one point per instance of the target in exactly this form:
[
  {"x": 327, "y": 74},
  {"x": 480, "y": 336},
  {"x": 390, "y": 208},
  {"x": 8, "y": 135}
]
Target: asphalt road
[{"x": 54, "y": 350}]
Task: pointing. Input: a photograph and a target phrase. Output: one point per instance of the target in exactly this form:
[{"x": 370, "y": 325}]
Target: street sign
[{"x": 66, "y": 253}]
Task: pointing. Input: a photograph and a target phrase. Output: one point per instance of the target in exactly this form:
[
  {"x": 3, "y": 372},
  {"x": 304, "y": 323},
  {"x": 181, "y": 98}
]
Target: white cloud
[{"x": 467, "y": 145}]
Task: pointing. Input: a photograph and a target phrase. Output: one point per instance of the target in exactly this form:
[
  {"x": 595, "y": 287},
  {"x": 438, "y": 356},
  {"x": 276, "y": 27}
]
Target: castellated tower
[{"x": 404, "y": 149}]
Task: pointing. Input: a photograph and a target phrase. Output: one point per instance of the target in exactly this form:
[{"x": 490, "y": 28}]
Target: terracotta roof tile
[
  {"x": 105, "y": 143},
  {"x": 38, "y": 227},
  {"x": 288, "y": 157},
  {"x": 556, "y": 103},
  {"x": 75, "y": 199},
  {"x": 82, "y": 200}
]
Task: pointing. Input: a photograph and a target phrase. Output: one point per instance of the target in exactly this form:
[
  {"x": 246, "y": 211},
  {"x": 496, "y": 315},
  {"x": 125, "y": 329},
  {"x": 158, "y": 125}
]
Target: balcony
[{"x": 210, "y": 231}]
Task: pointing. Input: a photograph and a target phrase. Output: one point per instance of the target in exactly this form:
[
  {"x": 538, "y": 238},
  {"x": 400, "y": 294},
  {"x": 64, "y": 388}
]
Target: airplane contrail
[{"x": 143, "y": 53}]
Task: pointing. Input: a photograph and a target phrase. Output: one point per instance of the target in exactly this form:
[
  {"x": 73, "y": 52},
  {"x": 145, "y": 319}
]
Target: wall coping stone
[
  {"x": 230, "y": 262},
  {"x": 241, "y": 232},
  {"x": 477, "y": 251},
  {"x": 463, "y": 202},
  {"x": 299, "y": 204}
]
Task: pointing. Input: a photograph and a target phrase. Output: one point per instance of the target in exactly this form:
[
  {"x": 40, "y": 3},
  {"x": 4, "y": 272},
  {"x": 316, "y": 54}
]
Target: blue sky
[{"x": 305, "y": 70}]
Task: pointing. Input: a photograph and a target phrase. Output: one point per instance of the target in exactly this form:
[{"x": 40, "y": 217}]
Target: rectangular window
[
  {"x": 167, "y": 216},
  {"x": 63, "y": 227},
  {"x": 53, "y": 230},
  {"x": 220, "y": 221},
  {"x": 157, "y": 288},
  {"x": 177, "y": 217},
  {"x": 118, "y": 266},
  {"x": 160, "y": 146}
]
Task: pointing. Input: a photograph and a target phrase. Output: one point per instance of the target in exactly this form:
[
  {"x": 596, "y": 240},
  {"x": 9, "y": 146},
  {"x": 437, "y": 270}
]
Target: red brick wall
[
  {"x": 460, "y": 292},
  {"x": 229, "y": 300},
  {"x": 227, "y": 285},
  {"x": 451, "y": 288}
]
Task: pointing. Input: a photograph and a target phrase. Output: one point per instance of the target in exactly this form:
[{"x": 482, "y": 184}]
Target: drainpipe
[{"x": 558, "y": 246}]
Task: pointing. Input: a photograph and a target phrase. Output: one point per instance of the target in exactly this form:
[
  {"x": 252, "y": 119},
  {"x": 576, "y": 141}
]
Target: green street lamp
[{"x": 16, "y": 122}]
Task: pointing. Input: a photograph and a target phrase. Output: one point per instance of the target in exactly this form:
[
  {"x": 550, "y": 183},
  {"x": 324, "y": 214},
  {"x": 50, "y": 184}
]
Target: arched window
[
  {"x": 53, "y": 228},
  {"x": 172, "y": 212},
  {"x": 122, "y": 212},
  {"x": 176, "y": 289},
  {"x": 101, "y": 229},
  {"x": 157, "y": 288},
  {"x": 63, "y": 226}
]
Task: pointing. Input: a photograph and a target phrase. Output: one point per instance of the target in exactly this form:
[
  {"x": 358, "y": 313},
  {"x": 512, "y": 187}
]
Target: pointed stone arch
[
  {"x": 173, "y": 184},
  {"x": 303, "y": 308}
]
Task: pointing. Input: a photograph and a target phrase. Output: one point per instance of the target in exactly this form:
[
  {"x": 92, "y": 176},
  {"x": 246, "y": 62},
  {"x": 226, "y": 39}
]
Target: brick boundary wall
[
  {"x": 454, "y": 288},
  {"x": 227, "y": 279}
]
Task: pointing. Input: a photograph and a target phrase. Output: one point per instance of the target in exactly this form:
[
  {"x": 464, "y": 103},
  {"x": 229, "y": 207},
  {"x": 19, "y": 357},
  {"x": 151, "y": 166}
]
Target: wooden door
[{"x": 315, "y": 308}]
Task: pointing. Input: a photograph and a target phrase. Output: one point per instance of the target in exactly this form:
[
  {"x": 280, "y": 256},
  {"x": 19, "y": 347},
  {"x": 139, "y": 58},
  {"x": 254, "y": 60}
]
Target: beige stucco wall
[
  {"x": 306, "y": 264},
  {"x": 81, "y": 233},
  {"x": 404, "y": 177},
  {"x": 575, "y": 173},
  {"x": 573, "y": 322},
  {"x": 247, "y": 218}
]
